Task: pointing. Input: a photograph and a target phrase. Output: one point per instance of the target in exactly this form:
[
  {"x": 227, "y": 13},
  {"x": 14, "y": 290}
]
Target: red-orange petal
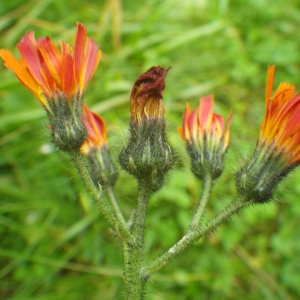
[
  {"x": 90, "y": 62},
  {"x": 192, "y": 124},
  {"x": 30, "y": 55},
  {"x": 65, "y": 48},
  {"x": 206, "y": 110},
  {"x": 79, "y": 50},
  {"x": 227, "y": 132},
  {"x": 52, "y": 57},
  {"x": 269, "y": 84},
  {"x": 217, "y": 125},
  {"x": 67, "y": 76},
  {"x": 185, "y": 127},
  {"x": 97, "y": 129},
  {"x": 22, "y": 74}
]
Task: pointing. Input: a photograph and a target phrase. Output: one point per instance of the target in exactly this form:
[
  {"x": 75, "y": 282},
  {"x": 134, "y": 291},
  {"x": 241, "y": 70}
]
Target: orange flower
[
  {"x": 96, "y": 129},
  {"x": 202, "y": 125},
  {"x": 48, "y": 72},
  {"x": 277, "y": 152},
  {"x": 206, "y": 138},
  {"x": 281, "y": 125}
]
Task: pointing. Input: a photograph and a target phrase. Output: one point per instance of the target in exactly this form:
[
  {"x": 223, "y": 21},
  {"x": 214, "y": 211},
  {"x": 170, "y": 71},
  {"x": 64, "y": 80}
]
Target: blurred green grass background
[{"x": 55, "y": 245}]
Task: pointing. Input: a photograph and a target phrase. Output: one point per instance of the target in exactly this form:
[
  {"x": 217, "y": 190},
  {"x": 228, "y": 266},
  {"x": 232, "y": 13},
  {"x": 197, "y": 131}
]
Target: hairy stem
[
  {"x": 194, "y": 235},
  {"x": 206, "y": 191},
  {"x": 133, "y": 253},
  {"x": 115, "y": 205},
  {"x": 96, "y": 195}
]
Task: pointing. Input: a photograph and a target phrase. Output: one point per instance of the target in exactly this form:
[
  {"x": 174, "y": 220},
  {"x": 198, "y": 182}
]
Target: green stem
[
  {"x": 133, "y": 253},
  {"x": 206, "y": 191},
  {"x": 193, "y": 236},
  {"x": 130, "y": 221},
  {"x": 96, "y": 195},
  {"x": 112, "y": 198}
]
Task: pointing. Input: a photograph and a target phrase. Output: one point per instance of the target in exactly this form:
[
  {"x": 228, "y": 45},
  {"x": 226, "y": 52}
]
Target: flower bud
[
  {"x": 147, "y": 154},
  {"x": 95, "y": 148},
  {"x": 206, "y": 138}
]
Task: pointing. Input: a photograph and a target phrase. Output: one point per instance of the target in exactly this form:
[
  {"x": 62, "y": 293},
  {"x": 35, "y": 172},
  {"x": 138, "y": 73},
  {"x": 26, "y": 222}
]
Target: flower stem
[
  {"x": 96, "y": 195},
  {"x": 206, "y": 191},
  {"x": 133, "y": 253},
  {"x": 112, "y": 198},
  {"x": 194, "y": 235}
]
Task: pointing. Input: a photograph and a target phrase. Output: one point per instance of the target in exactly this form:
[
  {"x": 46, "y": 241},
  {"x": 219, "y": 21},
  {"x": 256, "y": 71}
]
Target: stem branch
[
  {"x": 96, "y": 195},
  {"x": 193, "y": 236},
  {"x": 112, "y": 198}
]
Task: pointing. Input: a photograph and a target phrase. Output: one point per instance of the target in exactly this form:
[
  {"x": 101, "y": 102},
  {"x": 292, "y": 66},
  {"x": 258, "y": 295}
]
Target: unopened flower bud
[
  {"x": 147, "y": 154},
  {"x": 95, "y": 148},
  {"x": 277, "y": 151},
  {"x": 206, "y": 138}
]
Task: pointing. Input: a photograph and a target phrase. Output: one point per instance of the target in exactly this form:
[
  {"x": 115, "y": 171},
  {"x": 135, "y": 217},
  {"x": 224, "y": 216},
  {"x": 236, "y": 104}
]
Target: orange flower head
[
  {"x": 278, "y": 149},
  {"x": 280, "y": 128},
  {"x": 147, "y": 94},
  {"x": 206, "y": 138},
  {"x": 97, "y": 132},
  {"x": 203, "y": 126},
  {"x": 49, "y": 72}
]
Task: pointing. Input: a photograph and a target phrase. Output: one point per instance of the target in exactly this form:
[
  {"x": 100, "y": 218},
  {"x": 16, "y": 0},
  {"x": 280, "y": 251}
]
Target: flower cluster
[{"x": 58, "y": 79}]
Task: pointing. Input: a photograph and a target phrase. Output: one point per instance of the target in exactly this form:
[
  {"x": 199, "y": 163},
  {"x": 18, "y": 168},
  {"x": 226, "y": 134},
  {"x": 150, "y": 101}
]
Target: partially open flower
[
  {"x": 206, "y": 138},
  {"x": 58, "y": 79},
  {"x": 95, "y": 148},
  {"x": 278, "y": 149}
]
